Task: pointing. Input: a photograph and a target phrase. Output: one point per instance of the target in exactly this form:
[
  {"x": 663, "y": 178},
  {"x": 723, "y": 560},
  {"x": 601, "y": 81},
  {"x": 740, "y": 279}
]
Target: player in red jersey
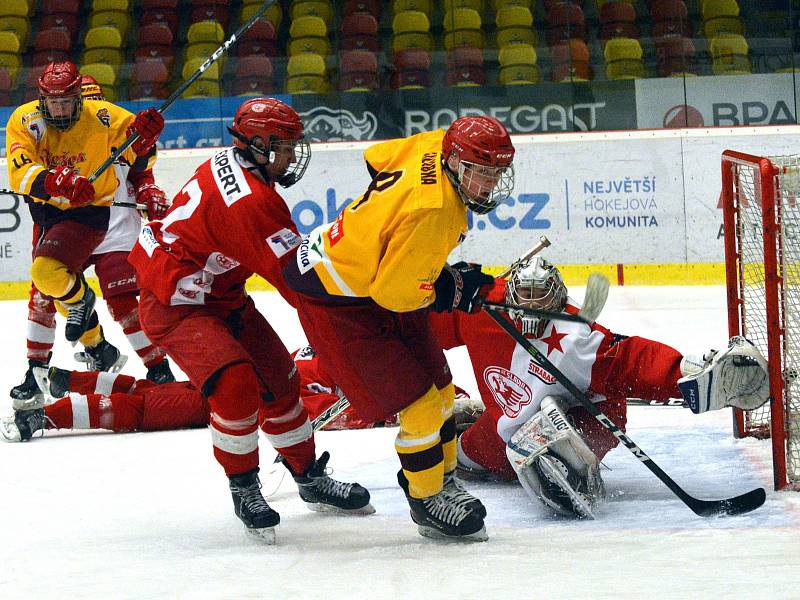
[{"x": 227, "y": 223}]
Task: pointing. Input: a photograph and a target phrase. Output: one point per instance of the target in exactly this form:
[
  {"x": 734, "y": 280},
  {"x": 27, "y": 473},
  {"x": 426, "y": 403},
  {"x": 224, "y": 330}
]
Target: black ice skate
[
  {"x": 445, "y": 516},
  {"x": 22, "y": 426},
  {"x": 79, "y": 314},
  {"x": 249, "y": 505},
  {"x": 323, "y": 494},
  {"x": 26, "y": 395},
  {"x": 102, "y": 357},
  {"x": 52, "y": 381},
  {"x": 455, "y": 488},
  {"x": 160, "y": 372}
]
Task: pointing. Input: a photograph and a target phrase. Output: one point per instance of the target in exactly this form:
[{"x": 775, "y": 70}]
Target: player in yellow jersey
[
  {"x": 52, "y": 145},
  {"x": 367, "y": 281}
]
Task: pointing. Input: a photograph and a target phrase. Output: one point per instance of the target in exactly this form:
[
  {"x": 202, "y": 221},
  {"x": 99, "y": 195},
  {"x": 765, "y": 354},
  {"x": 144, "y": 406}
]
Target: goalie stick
[
  {"x": 181, "y": 89},
  {"x": 541, "y": 245},
  {"x": 705, "y": 508}
]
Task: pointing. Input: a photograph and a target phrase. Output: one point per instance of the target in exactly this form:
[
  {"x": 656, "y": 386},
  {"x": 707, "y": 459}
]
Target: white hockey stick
[{"x": 541, "y": 245}]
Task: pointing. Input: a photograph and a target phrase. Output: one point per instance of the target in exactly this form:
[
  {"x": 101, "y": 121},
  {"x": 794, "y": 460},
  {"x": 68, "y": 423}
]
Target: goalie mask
[
  {"x": 60, "y": 98},
  {"x": 477, "y": 153},
  {"x": 269, "y": 134},
  {"x": 536, "y": 284}
]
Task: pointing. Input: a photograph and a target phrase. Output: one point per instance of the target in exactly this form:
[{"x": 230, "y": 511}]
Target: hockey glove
[
  {"x": 156, "y": 201},
  {"x": 459, "y": 286},
  {"x": 66, "y": 183},
  {"x": 148, "y": 124}
]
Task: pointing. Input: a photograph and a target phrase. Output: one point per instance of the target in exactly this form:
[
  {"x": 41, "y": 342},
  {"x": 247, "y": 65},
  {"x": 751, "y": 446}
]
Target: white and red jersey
[{"x": 224, "y": 225}]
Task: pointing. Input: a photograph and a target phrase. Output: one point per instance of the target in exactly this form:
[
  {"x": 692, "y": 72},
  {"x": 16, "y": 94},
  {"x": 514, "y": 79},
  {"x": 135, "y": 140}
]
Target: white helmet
[{"x": 535, "y": 283}]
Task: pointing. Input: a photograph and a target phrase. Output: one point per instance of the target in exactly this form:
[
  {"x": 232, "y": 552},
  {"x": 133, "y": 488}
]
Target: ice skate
[
  {"x": 445, "y": 516},
  {"x": 323, "y": 494},
  {"x": 454, "y": 487},
  {"x": 160, "y": 372},
  {"x": 102, "y": 357},
  {"x": 249, "y": 505},
  {"x": 21, "y": 426},
  {"x": 26, "y": 395},
  {"x": 52, "y": 381},
  {"x": 79, "y": 314}
]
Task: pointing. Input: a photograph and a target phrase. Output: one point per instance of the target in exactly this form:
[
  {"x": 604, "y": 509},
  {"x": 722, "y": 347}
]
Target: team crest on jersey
[
  {"x": 537, "y": 371},
  {"x": 283, "y": 241},
  {"x": 510, "y": 392},
  {"x": 34, "y": 123},
  {"x": 305, "y": 353},
  {"x": 104, "y": 117}
]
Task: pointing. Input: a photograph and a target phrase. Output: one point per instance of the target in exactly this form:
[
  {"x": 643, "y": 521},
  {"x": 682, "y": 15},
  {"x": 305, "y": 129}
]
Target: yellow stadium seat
[
  {"x": 274, "y": 13},
  {"x": 308, "y": 35},
  {"x": 729, "y": 53},
  {"x": 112, "y": 18},
  {"x": 497, "y": 5},
  {"x": 203, "y": 88},
  {"x": 20, "y": 26},
  {"x": 411, "y": 30},
  {"x": 191, "y": 65},
  {"x": 19, "y": 8},
  {"x": 9, "y": 42},
  {"x": 453, "y": 4},
  {"x": 205, "y": 31},
  {"x": 105, "y": 75},
  {"x": 306, "y": 74},
  {"x": 721, "y": 16},
  {"x": 12, "y": 62},
  {"x": 518, "y": 65},
  {"x": 313, "y": 8},
  {"x": 123, "y": 5},
  {"x": 623, "y": 59},
  {"x": 515, "y": 26},
  {"x": 104, "y": 36},
  {"x": 462, "y": 27},
  {"x": 204, "y": 50},
  {"x": 111, "y": 56},
  {"x": 423, "y": 6}
]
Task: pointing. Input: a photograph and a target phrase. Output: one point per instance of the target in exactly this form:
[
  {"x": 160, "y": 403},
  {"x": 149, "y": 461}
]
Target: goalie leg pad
[
  {"x": 554, "y": 464},
  {"x": 735, "y": 377}
]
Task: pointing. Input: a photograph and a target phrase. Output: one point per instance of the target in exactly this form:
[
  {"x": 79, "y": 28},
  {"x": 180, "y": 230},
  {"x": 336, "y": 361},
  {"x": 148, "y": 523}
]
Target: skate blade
[
  {"x": 9, "y": 431},
  {"x": 37, "y": 401},
  {"x": 327, "y": 508},
  {"x": 435, "y": 534},
  {"x": 263, "y": 535}
]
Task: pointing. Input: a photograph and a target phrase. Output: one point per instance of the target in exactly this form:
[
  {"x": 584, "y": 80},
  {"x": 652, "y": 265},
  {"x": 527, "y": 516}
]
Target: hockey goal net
[{"x": 761, "y": 220}]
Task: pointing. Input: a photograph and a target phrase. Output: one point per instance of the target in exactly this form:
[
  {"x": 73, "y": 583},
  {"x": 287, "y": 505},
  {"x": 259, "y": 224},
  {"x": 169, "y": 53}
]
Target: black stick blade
[{"x": 732, "y": 506}]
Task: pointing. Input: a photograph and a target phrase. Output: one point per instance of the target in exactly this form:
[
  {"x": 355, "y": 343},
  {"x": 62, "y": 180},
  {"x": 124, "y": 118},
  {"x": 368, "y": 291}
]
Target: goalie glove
[
  {"x": 459, "y": 286},
  {"x": 554, "y": 464},
  {"x": 735, "y": 377}
]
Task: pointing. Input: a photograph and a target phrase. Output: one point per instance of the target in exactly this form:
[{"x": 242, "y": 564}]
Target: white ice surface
[{"x": 149, "y": 515}]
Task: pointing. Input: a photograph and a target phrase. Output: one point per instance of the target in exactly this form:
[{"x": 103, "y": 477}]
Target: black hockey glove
[{"x": 459, "y": 286}]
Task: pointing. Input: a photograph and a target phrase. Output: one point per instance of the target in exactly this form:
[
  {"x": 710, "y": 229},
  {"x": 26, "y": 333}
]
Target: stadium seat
[
  {"x": 105, "y": 75},
  {"x": 721, "y": 16},
  {"x": 670, "y": 17},
  {"x": 218, "y": 13},
  {"x": 18, "y": 8},
  {"x": 372, "y": 7},
  {"x": 103, "y": 44},
  {"x": 675, "y": 56},
  {"x": 515, "y": 26},
  {"x": 149, "y": 71},
  {"x": 253, "y": 66},
  {"x": 111, "y": 18},
  {"x": 6, "y": 82},
  {"x": 155, "y": 34},
  {"x": 164, "y": 17},
  {"x": 729, "y": 53},
  {"x": 252, "y": 86},
  {"x": 571, "y": 61},
  {"x": 60, "y": 6},
  {"x": 423, "y": 6},
  {"x": 566, "y": 21},
  {"x": 412, "y": 69},
  {"x": 191, "y": 65},
  {"x": 205, "y": 31},
  {"x": 45, "y": 57},
  {"x": 360, "y": 32},
  {"x": 123, "y": 5},
  {"x": 312, "y": 8},
  {"x": 163, "y": 53},
  {"x": 52, "y": 39},
  {"x": 19, "y": 26},
  {"x": 623, "y": 59},
  {"x": 308, "y": 35},
  {"x": 498, "y": 5},
  {"x": 9, "y": 42},
  {"x": 618, "y": 19},
  {"x": 306, "y": 73},
  {"x": 253, "y": 75},
  {"x": 411, "y": 29},
  {"x": 465, "y": 67},
  {"x": 147, "y": 91},
  {"x": 358, "y": 71},
  {"x": 548, "y": 4},
  {"x": 147, "y": 5},
  {"x": 274, "y": 13},
  {"x": 259, "y": 39},
  {"x": 462, "y": 27},
  {"x": 518, "y": 65},
  {"x": 203, "y": 50},
  {"x": 203, "y": 88},
  {"x": 476, "y": 5}
]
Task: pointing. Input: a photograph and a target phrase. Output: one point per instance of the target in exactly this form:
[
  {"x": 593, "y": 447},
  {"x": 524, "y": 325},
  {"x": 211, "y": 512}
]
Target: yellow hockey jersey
[
  {"x": 391, "y": 243},
  {"x": 33, "y": 148}
]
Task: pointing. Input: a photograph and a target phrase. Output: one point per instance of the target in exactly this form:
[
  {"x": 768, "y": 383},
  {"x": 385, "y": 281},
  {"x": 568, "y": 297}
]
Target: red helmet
[
  {"x": 478, "y": 143},
  {"x": 91, "y": 89},
  {"x": 61, "y": 81},
  {"x": 274, "y": 123}
]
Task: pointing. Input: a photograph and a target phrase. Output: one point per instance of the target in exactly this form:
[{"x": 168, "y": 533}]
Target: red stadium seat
[
  {"x": 6, "y": 83},
  {"x": 566, "y": 21},
  {"x": 465, "y": 67},
  {"x": 253, "y": 66},
  {"x": 66, "y": 21},
  {"x": 149, "y": 71},
  {"x": 670, "y": 17},
  {"x": 358, "y": 70},
  {"x": 142, "y": 91},
  {"x": 571, "y": 60},
  {"x": 45, "y": 57},
  {"x": 618, "y": 19},
  {"x": 159, "y": 5},
  {"x": 52, "y": 39},
  {"x": 60, "y": 6},
  {"x": 169, "y": 18},
  {"x": 163, "y": 53},
  {"x": 360, "y": 32},
  {"x": 253, "y": 86},
  {"x": 412, "y": 69},
  {"x": 675, "y": 54},
  {"x": 372, "y": 7},
  {"x": 217, "y": 13},
  {"x": 260, "y": 39}
]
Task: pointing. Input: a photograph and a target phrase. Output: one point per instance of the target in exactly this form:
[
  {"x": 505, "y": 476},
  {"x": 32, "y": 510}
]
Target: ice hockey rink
[{"x": 146, "y": 515}]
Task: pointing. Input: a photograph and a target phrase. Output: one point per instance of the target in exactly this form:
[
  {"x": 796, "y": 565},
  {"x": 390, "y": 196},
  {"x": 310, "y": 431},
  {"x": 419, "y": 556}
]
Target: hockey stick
[
  {"x": 182, "y": 88},
  {"x": 705, "y": 508},
  {"x": 541, "y": 245}
]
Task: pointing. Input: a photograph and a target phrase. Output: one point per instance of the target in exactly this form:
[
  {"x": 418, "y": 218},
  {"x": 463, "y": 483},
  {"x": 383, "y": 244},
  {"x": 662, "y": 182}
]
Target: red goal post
[{"x": 761, "y": 221}]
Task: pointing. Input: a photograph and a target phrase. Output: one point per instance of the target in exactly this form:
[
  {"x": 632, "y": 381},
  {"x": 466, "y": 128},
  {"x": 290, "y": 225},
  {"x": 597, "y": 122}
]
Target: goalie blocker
[{"x": 734, "y": 377}]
